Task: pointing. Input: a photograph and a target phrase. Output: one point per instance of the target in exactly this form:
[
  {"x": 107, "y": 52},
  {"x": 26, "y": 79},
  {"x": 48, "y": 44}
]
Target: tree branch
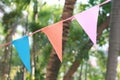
[{"x": 87, "y": 46}]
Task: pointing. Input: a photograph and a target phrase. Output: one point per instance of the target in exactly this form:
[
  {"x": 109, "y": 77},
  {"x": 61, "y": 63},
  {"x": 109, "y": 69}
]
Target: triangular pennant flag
[
  {"x": 54, "y": 34},
  {"x": 88, "y": 20},
  {"x": 23, "y": 49}
]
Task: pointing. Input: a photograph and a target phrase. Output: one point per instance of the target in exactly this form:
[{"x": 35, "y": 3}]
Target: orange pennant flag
[{"x": 54, "y": 34}]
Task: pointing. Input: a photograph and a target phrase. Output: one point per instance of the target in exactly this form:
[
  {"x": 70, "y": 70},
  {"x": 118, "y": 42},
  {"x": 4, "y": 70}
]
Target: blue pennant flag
[{"x": 23, "y": 49}]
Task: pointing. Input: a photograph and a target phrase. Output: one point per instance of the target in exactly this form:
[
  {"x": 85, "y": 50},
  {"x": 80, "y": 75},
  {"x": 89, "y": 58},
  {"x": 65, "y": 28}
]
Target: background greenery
[{"x": 21, "y": 14}]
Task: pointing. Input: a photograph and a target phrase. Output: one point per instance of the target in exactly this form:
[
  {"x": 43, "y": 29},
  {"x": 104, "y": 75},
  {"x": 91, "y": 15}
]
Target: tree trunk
[
  {"x": 77, "y": 62},
  {"x": 6, "y": 56},
  {"x": 54, "y": 62},
  {"x": 114, "y": 41},
  {"x": 10, "y": 61},
  {"x": 33, "y": 52}
]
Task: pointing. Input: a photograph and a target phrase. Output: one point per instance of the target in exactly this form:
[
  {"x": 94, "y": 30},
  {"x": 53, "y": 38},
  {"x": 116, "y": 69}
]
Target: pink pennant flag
[
  {"x": 54, "y": 34},
  {"x": 88, "y": 20}
]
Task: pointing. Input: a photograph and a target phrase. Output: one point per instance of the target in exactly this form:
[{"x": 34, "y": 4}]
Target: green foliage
[
  {"x": 14, "y": 15},
  {"x": 33, "y": 26},
  {"x": 15, "y": 58},
  {"x": 10, "y": 18},
  {"x": 22, "y": 1},
  {"x": 99, "y": 71},
  {"x": 20, "y": 4},
  {"x": 49, "y": 15},
  {"x": 42, "y": 60}
]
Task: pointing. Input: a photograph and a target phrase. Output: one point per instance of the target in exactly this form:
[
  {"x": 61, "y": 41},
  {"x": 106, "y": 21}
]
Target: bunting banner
[
  {"x": 88, "y": 21},
  {"x": 23, "y": 49},
  {"x": 54, "y": 34}
]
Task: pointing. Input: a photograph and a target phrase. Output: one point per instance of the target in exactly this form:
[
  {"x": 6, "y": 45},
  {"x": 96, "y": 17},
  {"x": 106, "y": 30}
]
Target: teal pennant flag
[{"x": 23, "y": 49}]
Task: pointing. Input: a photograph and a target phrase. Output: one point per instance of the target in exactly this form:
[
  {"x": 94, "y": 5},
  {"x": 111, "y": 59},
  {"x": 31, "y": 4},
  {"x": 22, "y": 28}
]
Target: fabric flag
[
  {"x": 23, "y": 49},
  {"x": 88, "y": 20},
  {"x": 54, "y": 34}
]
